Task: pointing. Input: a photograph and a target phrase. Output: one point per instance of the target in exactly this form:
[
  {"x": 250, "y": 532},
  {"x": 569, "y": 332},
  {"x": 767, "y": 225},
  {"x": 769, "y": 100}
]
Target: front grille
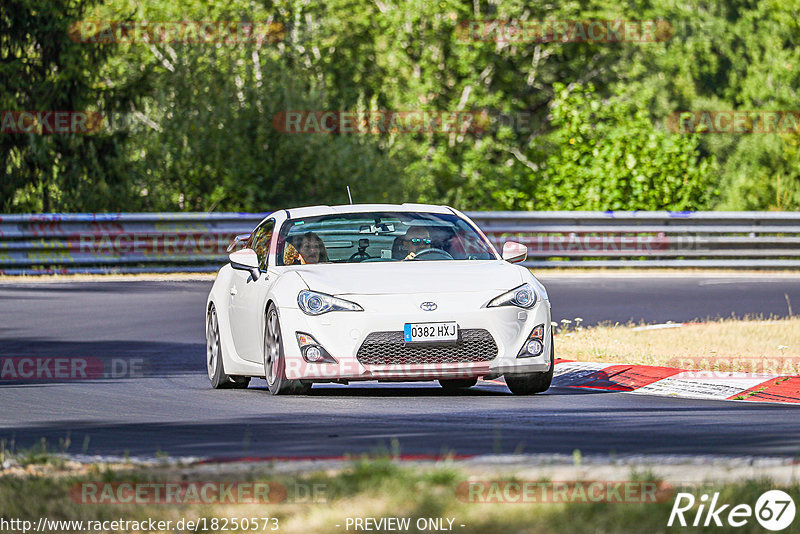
[{"x": 388, "y": 348}]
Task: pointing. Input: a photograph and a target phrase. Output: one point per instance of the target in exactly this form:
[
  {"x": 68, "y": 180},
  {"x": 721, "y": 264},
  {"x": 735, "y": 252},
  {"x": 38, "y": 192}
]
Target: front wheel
[
  {"x": 275, "y": 361},
  {"x": 531, "y": 383}
]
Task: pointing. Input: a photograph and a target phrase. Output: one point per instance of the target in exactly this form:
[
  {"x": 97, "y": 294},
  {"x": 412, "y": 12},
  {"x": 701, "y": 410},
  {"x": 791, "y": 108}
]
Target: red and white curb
[
  {"x": 672, "y": 382},
  {"x": 652, "y": 380}
]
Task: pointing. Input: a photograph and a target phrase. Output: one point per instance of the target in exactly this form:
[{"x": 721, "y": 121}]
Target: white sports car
[{"x": 376, "y": 292}]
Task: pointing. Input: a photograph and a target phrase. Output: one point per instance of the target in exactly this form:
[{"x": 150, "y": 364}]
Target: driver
[{"x": 417, "y": 238}]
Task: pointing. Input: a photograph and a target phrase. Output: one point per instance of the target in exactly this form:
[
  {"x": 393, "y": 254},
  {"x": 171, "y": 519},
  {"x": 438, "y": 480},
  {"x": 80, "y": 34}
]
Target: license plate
[{"x": 426, "y": 332}]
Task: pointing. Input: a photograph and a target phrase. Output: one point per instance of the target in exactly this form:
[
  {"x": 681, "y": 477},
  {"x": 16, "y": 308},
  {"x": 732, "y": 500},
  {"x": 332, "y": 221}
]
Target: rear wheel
[
  {"x": 214, "y": 365},
  {"x": 275, "y": 362},
  {"x": 454, "y": 384},
  {"x": 531, "y": 383}
]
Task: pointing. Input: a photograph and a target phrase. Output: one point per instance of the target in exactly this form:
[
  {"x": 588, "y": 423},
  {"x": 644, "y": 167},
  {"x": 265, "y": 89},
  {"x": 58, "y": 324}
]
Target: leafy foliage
[
  {"x": 571, "y": 125},
  {"x": 42, "y": 69},
  {"x": 607, "y": 156}
]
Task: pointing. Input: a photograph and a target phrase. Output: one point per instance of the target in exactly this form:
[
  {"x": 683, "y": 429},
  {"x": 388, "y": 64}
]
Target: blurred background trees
[{"x": 572, "y": 125}]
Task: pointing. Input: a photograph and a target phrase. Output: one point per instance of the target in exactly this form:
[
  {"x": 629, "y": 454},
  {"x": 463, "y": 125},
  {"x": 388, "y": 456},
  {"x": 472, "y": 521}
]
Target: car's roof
[{"x": 310, "y": 211}]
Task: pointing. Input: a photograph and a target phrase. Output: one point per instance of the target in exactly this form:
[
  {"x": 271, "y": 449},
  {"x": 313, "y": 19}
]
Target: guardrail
[
  {"x": 118, "y": 242},
  {"x": 749, "y": 239},
  {"x": 196, "y": 242}
]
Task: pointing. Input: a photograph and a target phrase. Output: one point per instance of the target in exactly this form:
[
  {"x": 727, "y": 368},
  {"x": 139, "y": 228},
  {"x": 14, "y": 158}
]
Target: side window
[{"x": 260, "y": 242}]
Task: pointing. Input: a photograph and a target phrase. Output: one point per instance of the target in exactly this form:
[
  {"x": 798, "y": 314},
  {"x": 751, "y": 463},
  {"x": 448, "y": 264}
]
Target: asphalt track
[{"x": 168, "y": 406}]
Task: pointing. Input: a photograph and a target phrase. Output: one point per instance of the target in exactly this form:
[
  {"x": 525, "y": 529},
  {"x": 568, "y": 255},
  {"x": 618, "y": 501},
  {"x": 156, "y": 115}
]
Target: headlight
[
  {"x": 540, "y": 289},
  {"x": 523, "y": 296},
  {"x": 313, "y": 303}
]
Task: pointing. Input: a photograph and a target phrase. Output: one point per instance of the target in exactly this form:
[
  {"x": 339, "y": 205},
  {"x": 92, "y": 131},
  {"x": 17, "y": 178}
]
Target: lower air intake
[{"x": 388, "y": 348}]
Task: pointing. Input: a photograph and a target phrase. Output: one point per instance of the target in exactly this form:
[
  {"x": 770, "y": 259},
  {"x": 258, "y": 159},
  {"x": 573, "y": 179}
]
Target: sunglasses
[{"x": 418, "y": 240}]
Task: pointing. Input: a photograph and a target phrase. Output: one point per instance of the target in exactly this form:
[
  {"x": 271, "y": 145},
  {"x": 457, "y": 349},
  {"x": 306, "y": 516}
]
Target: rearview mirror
[
  {"x": 245, "y": 260},
  {"x": 381, "y": 228},
  {"x": 514, "y": 252}
]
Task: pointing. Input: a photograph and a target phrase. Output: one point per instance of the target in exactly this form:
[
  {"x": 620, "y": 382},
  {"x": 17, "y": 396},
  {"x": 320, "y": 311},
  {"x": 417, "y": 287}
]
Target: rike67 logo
[{"x": 774, "y": 510}]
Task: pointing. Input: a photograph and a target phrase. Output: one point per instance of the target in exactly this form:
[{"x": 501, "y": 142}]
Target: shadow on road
[{"x": 33, "y": 361}]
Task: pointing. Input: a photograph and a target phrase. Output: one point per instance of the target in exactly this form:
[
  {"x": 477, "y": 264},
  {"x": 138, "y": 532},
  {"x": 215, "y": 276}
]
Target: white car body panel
[
  {"x": 411, "y": 277},
  {"x": 390, "y": 294}
]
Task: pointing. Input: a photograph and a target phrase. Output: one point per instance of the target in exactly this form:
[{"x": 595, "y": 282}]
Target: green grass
[
  {"x": 370, "y": 488},
  {"x": 41, "y": 453}
]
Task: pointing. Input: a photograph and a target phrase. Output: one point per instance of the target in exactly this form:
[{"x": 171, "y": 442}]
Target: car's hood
[{"x": 410, "y": 277}]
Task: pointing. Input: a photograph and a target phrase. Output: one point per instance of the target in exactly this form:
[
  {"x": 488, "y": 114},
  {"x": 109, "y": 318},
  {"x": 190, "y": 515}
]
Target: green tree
[
  {"x": 606, "y": 155},
  {"x": 193, "y": 122},
  {"x": 43, "y": 70}
]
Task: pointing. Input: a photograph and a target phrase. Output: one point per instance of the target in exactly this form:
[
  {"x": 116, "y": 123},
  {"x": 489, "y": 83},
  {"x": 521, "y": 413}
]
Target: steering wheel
[
  {"x": 432, "y": 250},
  {"x": 361, "y": 255}
]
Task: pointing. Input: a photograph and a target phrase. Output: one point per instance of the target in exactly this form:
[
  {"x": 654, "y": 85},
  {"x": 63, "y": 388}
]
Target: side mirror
[
  {"x": 245, "y": 260},
  {"x": 514, "y": 252}
]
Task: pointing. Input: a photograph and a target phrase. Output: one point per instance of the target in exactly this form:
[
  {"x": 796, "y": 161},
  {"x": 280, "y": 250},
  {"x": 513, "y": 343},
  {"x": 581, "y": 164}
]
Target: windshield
[{"x": 379, "y": 237}]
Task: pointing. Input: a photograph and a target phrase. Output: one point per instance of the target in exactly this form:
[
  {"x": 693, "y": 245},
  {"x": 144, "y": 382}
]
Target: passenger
[
  {"x": 417, "y": 238},
  {"x": 290, "y": 255},
  {"x": 304, "y": 249}
]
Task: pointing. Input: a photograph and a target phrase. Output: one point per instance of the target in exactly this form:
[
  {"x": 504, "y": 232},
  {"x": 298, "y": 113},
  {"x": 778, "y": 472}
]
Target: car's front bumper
[{"x": 343, "y": 333}]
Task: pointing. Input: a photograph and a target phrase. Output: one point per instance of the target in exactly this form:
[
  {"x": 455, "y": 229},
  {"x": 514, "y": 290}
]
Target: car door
[{"x": 248, "y": 298}]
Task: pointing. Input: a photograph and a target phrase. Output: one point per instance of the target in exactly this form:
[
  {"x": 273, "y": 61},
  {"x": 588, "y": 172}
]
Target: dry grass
[
  {"x": 375, "y": 489},
  {"x": 762, "y": 346}
]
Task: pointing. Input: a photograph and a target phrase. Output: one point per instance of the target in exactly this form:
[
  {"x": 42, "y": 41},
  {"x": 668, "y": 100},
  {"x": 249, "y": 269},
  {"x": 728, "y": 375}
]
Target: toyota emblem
[{"x": 428, "y": 306}]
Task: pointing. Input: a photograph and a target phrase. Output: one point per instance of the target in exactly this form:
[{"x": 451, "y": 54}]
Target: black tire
[
  {"x": 454, "y": 384},
  {"x": 531, "y": 383},
  {"x": 274, "y": 360},
  {"x": 239, "y": 382},
  {"x": 214, "y": 364}
]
